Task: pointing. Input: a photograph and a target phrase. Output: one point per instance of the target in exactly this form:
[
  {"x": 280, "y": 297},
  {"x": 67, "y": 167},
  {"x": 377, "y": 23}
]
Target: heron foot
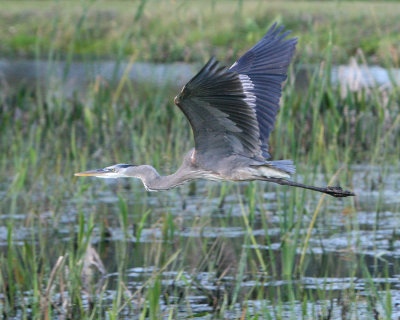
[{"x": 338, "y": 192}]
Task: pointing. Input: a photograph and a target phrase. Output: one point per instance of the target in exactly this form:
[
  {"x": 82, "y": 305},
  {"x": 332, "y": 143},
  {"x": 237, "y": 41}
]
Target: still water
[
  {"x": 72, "y": 77},
  {"x": 232, "y": 247},
  {"x": 216, "y": 245}
]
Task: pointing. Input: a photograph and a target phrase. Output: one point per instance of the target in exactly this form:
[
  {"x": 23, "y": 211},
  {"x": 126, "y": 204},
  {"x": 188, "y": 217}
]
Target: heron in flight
[{"x": 232, "y": 112}]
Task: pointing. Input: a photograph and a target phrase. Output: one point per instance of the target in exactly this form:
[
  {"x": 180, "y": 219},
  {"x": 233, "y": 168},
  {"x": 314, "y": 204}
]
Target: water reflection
[{"x": 217, "y": 248}]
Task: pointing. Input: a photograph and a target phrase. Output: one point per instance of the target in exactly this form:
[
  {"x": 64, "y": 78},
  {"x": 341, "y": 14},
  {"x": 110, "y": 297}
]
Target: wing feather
[
  {"x": 233, "y": 111},
  {"x": 266, "y": 65},
  {"x": 223, "y": 123}
]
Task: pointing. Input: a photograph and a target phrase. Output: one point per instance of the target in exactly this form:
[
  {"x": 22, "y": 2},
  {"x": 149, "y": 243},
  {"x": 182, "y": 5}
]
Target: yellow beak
[{"x": 92, "y": 173}]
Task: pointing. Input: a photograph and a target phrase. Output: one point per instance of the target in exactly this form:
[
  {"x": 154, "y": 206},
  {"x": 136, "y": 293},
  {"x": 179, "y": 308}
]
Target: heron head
[{"x": 115, "y": 171}]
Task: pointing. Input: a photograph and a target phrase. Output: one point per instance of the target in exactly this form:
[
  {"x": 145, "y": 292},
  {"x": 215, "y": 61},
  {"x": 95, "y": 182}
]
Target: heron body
[{"x": 232, "y": 112}]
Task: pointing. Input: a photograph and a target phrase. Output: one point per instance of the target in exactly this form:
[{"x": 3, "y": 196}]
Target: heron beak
[{"x": 92, "y": 173}]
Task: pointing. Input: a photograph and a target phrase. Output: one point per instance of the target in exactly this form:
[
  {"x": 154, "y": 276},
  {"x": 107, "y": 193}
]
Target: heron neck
[
  {"x": 166, "y": 182},
  {"x": 153, "y": 181}
]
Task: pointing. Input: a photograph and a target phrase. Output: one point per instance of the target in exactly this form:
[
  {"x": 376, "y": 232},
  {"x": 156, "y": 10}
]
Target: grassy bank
[{"x": 191, "y": 31}]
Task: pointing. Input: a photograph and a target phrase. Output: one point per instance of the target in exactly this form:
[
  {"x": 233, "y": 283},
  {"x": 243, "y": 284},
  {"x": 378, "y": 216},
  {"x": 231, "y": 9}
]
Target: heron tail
[{"x": 283, "y": 165}]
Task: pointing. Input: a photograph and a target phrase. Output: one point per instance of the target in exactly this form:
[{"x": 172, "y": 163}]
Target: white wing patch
[{"x": 248, "y": 88}]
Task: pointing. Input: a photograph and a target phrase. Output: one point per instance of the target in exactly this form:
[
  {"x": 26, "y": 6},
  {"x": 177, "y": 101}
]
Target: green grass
[
  {"x": 51, "y": 221},
  {"x": 188, "y": 31}
]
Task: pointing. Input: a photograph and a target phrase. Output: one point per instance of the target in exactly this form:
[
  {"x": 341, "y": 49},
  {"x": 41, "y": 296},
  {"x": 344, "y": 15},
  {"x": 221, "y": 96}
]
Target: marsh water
[
  {"x": 235, "y": 245},
  {"x": 341, "y": 242},
  {"x": 74, "y": 76}
]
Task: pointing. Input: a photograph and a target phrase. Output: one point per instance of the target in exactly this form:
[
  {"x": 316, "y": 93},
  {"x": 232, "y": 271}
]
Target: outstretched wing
[
  {"x": 218, "y": 110},
  {"x": 265, "y": 68},
  {"x": 232, "y": 111}
]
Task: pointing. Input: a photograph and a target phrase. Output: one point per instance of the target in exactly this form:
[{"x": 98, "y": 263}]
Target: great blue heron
[{"x": 232, "y": 112}]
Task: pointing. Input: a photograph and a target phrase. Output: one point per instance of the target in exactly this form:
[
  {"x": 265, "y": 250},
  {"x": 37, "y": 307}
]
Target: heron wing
[
  {"x": 220, "y": 114},
  {"x": 232, "y": 111},
  {"x": 264, "y": 68}
]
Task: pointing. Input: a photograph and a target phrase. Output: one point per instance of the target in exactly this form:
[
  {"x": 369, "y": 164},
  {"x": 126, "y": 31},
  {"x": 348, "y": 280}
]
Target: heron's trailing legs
[{"x": 332, "y": 191}]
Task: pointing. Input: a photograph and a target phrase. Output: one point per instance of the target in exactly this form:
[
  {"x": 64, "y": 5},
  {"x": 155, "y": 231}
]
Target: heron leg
[{"x": 332, "y": 191}]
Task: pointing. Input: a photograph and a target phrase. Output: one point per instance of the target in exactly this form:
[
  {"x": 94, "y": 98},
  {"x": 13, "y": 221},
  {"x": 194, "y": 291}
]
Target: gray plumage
[{"x": 232, "y": 113}]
